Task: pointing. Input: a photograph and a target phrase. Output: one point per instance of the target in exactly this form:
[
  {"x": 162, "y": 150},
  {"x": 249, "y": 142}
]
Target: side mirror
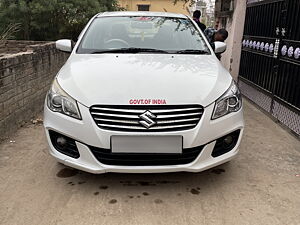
[
  {"x": 220, "y": 47},
  {"x": 64, "y": 45}
]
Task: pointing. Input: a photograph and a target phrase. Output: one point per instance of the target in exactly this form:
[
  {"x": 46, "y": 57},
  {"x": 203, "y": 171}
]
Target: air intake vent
[
  {"x": 147, "y": 118},
  {"x": 106, "y": 157}
]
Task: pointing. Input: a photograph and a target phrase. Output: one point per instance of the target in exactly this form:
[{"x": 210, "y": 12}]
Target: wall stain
[
  {"x": 195, "y": 192},
  {"x": 158, "y": 201},
  {"x": 113, "y": 201},
  {"x": 104, "y": 187},
  {"x": 167, "y": 182},
  {"x": 66, "y": 172},
  {"x": 218, "y": 171},
  {"x": 147, "y": 183}
]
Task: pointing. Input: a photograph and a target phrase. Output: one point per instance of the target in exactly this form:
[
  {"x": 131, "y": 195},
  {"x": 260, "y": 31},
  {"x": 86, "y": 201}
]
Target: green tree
[{"x": 51, "y": 19}]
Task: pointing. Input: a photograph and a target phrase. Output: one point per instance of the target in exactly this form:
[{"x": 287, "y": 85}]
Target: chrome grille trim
[
  {"x": 117, "y": 115},
  {"x": 177, "y": 115},
  {"x": 137, "y": 117},
  {"x": 127, "y": 118},
  {"x": 117, "y": 121},
  {"x": 136, "y": 122},
  {"x": 141, "y": 110},
  {"x": 141, "y": 128},
  {"x": 176, "y": 121},
  {"x": 119, "y": 110}
]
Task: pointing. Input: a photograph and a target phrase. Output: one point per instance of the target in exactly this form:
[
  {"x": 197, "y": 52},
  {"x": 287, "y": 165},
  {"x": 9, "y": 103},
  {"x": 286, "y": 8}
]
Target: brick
[
  {"x": 6, "y": 96},
  {"x": 25, "y": 79},
  {"x": 7, "y": 80},
  {"x": 28, "y": 92},
  {"x": 5, "y": 72},
  {"x": 1, "y": 110},
  {"x": 22, "y": 80},
  {"x": 6, "y": 88}
]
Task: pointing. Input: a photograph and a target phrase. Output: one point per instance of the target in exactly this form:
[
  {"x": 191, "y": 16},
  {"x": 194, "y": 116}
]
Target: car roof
[{"x": 141, "y": 13}]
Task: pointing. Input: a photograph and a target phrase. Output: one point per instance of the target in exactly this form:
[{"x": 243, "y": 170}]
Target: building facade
[
  {"x": 264, "y": 54},
  {"x": 207, "y": 11},
  {"x": 156, "y": 5},
  {"x": 230, "y": 14}
]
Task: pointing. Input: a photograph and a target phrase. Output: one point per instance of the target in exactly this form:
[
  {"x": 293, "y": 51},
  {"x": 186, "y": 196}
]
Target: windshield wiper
[
  {"x": 192, "y": 51},
  {"x": 129, "y": 50}
]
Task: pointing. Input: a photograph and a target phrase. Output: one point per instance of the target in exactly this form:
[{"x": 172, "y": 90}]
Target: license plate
[{"x": 147, "y": 144}]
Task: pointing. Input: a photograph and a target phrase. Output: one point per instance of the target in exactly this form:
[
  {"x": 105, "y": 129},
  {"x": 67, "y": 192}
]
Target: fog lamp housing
[
  {"x": 226, "y": 143},
  {"x": 64, "y": 144}
]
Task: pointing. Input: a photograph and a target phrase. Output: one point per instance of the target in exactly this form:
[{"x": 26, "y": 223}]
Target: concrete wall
[
  {"x": 157, "y": 5},
  {"x": 235, "y": 26},
  {"x": 25, "y": 77}
]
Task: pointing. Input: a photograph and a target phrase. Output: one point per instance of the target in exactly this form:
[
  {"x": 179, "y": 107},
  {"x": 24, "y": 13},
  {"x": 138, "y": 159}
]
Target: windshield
[{"x": 142, "y": 34}]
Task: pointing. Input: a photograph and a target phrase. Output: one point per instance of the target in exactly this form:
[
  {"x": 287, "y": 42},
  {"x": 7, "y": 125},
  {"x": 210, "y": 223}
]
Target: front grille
[
  {"x": 106, "y": 157},
  {"x": 162, "y": 118}
]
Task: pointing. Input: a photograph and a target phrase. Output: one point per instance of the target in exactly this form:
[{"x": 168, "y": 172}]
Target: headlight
[
  {"x": 60, "y": 101},
  {"x": 229, "y": 102}
]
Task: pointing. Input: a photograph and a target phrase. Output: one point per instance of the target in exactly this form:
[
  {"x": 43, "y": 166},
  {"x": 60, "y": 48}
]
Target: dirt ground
[{"x": 260, "y": 186}]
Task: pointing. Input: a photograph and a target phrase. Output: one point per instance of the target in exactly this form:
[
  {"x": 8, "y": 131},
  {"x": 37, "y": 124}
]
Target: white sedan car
[{"x": 143, "y": 92}]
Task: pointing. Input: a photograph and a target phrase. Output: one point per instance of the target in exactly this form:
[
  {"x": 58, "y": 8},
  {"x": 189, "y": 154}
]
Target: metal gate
[{"x": 270, "y": 61}]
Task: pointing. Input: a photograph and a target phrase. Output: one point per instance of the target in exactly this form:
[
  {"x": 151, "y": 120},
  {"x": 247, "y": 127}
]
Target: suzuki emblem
[{"x": 147, "y": 119}]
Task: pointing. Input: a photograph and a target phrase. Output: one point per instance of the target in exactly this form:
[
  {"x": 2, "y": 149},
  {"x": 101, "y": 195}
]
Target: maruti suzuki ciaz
[{"x": 143, "y": 92}]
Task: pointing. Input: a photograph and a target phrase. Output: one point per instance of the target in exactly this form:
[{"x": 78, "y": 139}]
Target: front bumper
[{"x": 86, "y": 133}]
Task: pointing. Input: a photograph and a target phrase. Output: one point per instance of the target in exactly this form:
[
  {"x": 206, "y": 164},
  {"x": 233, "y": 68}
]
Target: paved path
[{"x": 260, "y": 186}]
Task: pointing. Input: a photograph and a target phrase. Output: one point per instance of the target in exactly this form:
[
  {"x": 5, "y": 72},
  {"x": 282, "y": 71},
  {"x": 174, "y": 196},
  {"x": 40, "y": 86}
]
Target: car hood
[{"x": 118, "y": 78}]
